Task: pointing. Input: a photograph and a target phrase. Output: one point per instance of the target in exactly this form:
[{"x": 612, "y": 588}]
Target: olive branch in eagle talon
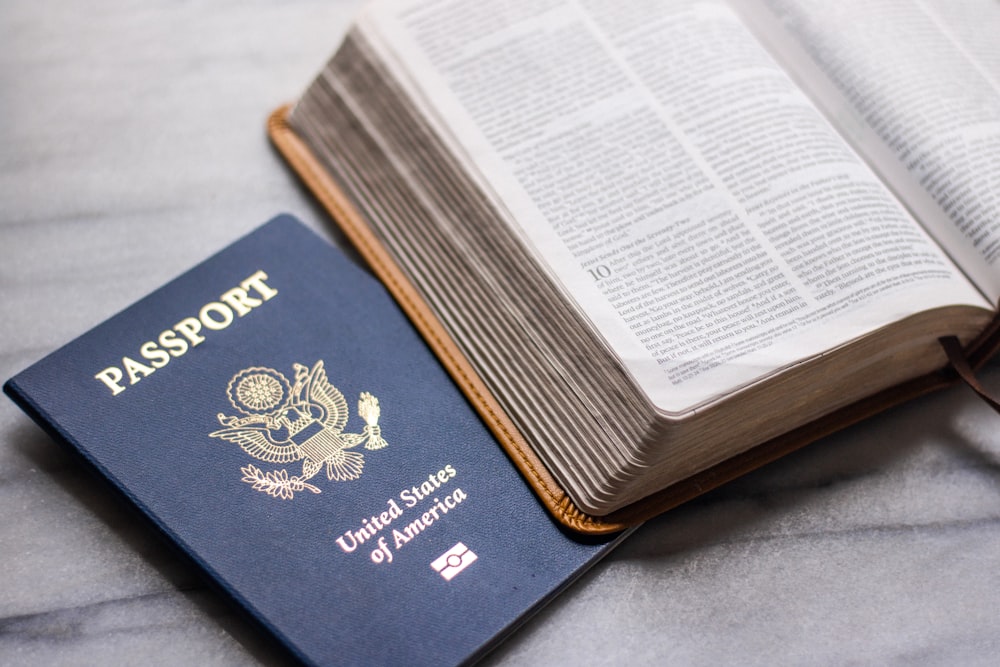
[
  {"x": 284, "y": 423},
  {"x": 276, "y": 483}
]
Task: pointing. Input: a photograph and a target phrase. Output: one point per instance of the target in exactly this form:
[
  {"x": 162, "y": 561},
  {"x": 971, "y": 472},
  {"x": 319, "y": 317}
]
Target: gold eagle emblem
[{"x": 284, "y": 423}]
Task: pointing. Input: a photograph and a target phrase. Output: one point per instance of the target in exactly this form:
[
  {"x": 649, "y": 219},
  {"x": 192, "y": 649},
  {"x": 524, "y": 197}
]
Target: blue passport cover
[{"x": 277, "y": 417}]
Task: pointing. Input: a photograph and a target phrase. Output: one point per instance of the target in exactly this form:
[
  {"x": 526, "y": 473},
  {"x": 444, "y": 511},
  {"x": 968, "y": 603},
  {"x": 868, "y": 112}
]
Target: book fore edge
[
  {"x": 349, "y": 220},
  {"x": 553, "y": 497}
]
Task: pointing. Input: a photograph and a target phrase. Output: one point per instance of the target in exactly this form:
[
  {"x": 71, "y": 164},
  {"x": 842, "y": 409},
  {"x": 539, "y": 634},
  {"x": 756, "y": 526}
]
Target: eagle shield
[{"x": 285, "y": 423}]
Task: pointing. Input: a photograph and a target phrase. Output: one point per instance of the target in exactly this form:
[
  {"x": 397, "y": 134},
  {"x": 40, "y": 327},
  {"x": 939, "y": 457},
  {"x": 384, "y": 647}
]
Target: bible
[{"x": 661, "y": 243}]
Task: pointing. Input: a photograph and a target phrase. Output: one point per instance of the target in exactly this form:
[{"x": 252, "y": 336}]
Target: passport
[{"x": 278, "y": 419}]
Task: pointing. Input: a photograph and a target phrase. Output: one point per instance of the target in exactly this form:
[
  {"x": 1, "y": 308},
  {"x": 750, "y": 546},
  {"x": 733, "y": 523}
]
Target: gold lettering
[
  {"x": 399, "y": 538},
  {"x": 135, "y": 369},
  {"x": 257, "y": 282},
  {"x": 189, "y": 328},
  {"x": 213, "y": 316},
  {"x": 169, "y": 340},
  {"x": 215, "y": 307},
  {"x": 238, "y": 299},
  {"x": 157, "y": 357},
  {"x": 394, "y": 510},
  {"x": 111, "y": 376},
  {"x": 343, "y": 543}
]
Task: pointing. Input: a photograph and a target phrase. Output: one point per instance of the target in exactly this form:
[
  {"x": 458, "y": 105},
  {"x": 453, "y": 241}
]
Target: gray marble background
[{"x": 132, "y": 146}]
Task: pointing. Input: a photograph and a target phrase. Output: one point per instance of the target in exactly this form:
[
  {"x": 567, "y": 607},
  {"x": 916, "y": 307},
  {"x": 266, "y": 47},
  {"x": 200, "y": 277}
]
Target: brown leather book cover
[{"x": 555, "y": 499}]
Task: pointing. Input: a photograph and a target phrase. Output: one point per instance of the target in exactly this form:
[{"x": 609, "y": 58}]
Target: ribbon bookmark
[{"x": 958, "y": 361}]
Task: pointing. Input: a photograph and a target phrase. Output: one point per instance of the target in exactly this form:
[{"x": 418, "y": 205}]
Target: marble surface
[{"x": 132, "y": 146}]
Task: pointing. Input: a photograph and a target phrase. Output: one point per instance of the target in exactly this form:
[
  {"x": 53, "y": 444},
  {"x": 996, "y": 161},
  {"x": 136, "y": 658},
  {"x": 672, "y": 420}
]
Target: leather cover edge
[{"x": 554, "y": 498}]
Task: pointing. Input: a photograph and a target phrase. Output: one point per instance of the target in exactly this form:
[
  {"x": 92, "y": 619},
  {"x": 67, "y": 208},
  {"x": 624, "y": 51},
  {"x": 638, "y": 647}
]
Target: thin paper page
[
  {"x": 703, "y": 215},
  {"x": 915, "y": 86}
]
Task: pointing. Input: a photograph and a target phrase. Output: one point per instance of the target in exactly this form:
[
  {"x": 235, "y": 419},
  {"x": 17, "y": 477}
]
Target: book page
[
  {"x": 915, "y": 86},
  {"x": 705, "y": 217}
]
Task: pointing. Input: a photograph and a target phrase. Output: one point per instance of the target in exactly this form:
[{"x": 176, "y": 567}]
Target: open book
[{"x": 668, "y": 240}]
